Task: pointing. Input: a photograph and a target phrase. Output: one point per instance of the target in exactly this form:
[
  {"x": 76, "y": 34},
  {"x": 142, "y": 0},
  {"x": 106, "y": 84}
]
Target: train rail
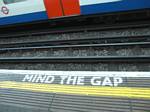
[
  {"x": 82, "y": 59},
  {"x": 99, "y": 40},
  {"x": 140, "y": 44}
]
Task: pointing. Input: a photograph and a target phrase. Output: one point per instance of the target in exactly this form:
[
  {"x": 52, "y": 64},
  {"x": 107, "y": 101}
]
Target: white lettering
[
  {"x": 28, "y": 78},
  {"x": 72, "y": 79},
  {"x": 117, "y": 81},
  {"x": 40, "y": 78},
  {"x": 96, "y": 81},
  {"x": 63, "y": 79},
  {"x": 107, "y": 82},
  {"x": 49, "y": 79},
  {"x": 34, "y": 78},
  {"x": 80, "y": 81}
]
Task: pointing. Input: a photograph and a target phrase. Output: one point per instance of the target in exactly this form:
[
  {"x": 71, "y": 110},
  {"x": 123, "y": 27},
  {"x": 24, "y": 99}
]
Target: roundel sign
[{"x": 5, "y": 10}]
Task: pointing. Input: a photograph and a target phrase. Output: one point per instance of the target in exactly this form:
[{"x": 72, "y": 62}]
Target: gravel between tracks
[{"x": 62, "y": 52}]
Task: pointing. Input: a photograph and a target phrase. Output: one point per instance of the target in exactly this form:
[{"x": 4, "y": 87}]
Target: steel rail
[
  {"x": 101, "y": 40},
  {"x": 87, "y": 59},
  {"x": 82, "y": 28},
  {"x": 141, "y": 44}
]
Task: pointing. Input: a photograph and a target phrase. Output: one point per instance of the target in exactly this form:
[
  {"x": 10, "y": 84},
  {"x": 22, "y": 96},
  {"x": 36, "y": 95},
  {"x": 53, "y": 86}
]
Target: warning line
[{"x": 126, "y": 92}]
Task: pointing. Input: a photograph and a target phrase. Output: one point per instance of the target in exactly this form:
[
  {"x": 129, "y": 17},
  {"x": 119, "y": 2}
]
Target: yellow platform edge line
[{"x": 126, "y": 92}]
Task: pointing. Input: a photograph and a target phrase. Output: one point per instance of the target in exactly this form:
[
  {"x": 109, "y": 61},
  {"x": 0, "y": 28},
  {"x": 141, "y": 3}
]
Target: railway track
[
  {"x": 86, "y": 53},
  {"x": 83, "y": 47},
  {"x": 126, "y": 43}
]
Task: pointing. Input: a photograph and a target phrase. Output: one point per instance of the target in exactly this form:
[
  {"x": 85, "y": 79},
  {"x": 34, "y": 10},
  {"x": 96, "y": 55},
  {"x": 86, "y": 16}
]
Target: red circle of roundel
[{"x": 5, "y": 10}]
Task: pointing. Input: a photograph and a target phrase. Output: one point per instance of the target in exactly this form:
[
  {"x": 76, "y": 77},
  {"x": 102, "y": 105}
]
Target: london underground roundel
[{"x": 5, "y": 10}]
